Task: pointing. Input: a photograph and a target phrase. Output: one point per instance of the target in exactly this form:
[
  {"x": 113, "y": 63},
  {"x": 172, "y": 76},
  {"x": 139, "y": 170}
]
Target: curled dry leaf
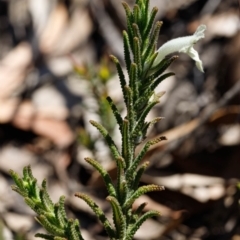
[{"x": 13, "y": 69}]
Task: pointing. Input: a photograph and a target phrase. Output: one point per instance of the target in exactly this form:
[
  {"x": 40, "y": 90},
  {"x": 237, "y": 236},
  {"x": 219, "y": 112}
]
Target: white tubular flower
[{"x": 182, "y": 44}]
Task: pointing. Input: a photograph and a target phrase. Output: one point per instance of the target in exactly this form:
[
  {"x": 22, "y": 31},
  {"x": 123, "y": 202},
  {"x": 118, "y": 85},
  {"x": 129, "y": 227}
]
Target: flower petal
[
  {"x": 182, "y": 44},
  {"x": 192, "y": 53},
  {"x": 199, "y": 33}
]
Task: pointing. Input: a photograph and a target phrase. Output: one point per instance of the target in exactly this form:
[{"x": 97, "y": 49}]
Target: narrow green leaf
[
  {"x": 121, "y": 182},
  {"x": 26, "y": 173},
  {"x": 51, "y": 228},
  {"x": 137, "y": 34},
  {"x": 99, "y": 213},
  {"x": 19, "y": 182},
  {"x": 106, "y": 178},
  {"x": 122, "y": 189},
  {"x": 61, "y": 238},
  {"x": 62, "y": 207},
  {"x": 136, "y": 14},
  {"x": 121, "y": 76},
  {"x": 147, "y": 125},
  {"x": 121, "y": 163},
  {"x": 19, "y": 191},
  {"x": 130, "y": 109},
  {"x": 29, "y": 172},
  {"x": 139, "y": 192},
  {"x": 35, "y": 190},
  {"x": 60, "y": 213},
  {"x": 148, "y": 65},
  {"x": 138, "y": 2},
  {"x": 137, "y": 54},
  {"x": 150, "y": 49},
  {"x": 34, "y": 205},
  {"x": 108, "y": 139},
  {"x": 160, "y": 68},
  {"x": 118, "y": 217},
  {"x": 127, "y": 51},
  {"x": 74, "y": 231},
  {"x": 46, "y": 202},
  {"x": 143, "y": 16},
  {"x": 130, "y": 21},
  {"x": 146, "y": 12},
  {"x": 138, "y": 135},
  {"x": 155, "y": 120},
  {"x": 45, "y": 198},
  {"x": 142, "y": 102},
  {"x": 116, "y": 113},
  {"x": 126, "y": 150},
  {"x": 143, "y": 115},
  {"x": 149, "y": 26},
  {"x": 140, "y": 208},
  {"x": 46, "y": 236},
  {"x": 44, "y": 184},
  {"x": 134, "y": 81},
  {"x": 131, "y": 232},
  {"x": 143, "y": 152},
  {"x": 128, "y": 12},
  {"x": 156, "y": 82},
  {"x": 141, "y": 4},
  {"x": 138, "y": 175}
]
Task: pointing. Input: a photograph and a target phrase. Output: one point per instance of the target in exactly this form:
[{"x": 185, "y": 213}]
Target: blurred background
[{"x": 54, "y": 77}]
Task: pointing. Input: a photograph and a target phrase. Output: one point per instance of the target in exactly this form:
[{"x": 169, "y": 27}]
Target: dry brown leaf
[
  {"x": 24, "y": 115},
  {"x": 13, "y": 69},
  {"x": 75, "y": 33},
  {"x": 58, "y": 131},
  {"x": 7, "y": 109},
  {"x": 54, "y": 29},
  {"x": 227, "y": 115}
]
